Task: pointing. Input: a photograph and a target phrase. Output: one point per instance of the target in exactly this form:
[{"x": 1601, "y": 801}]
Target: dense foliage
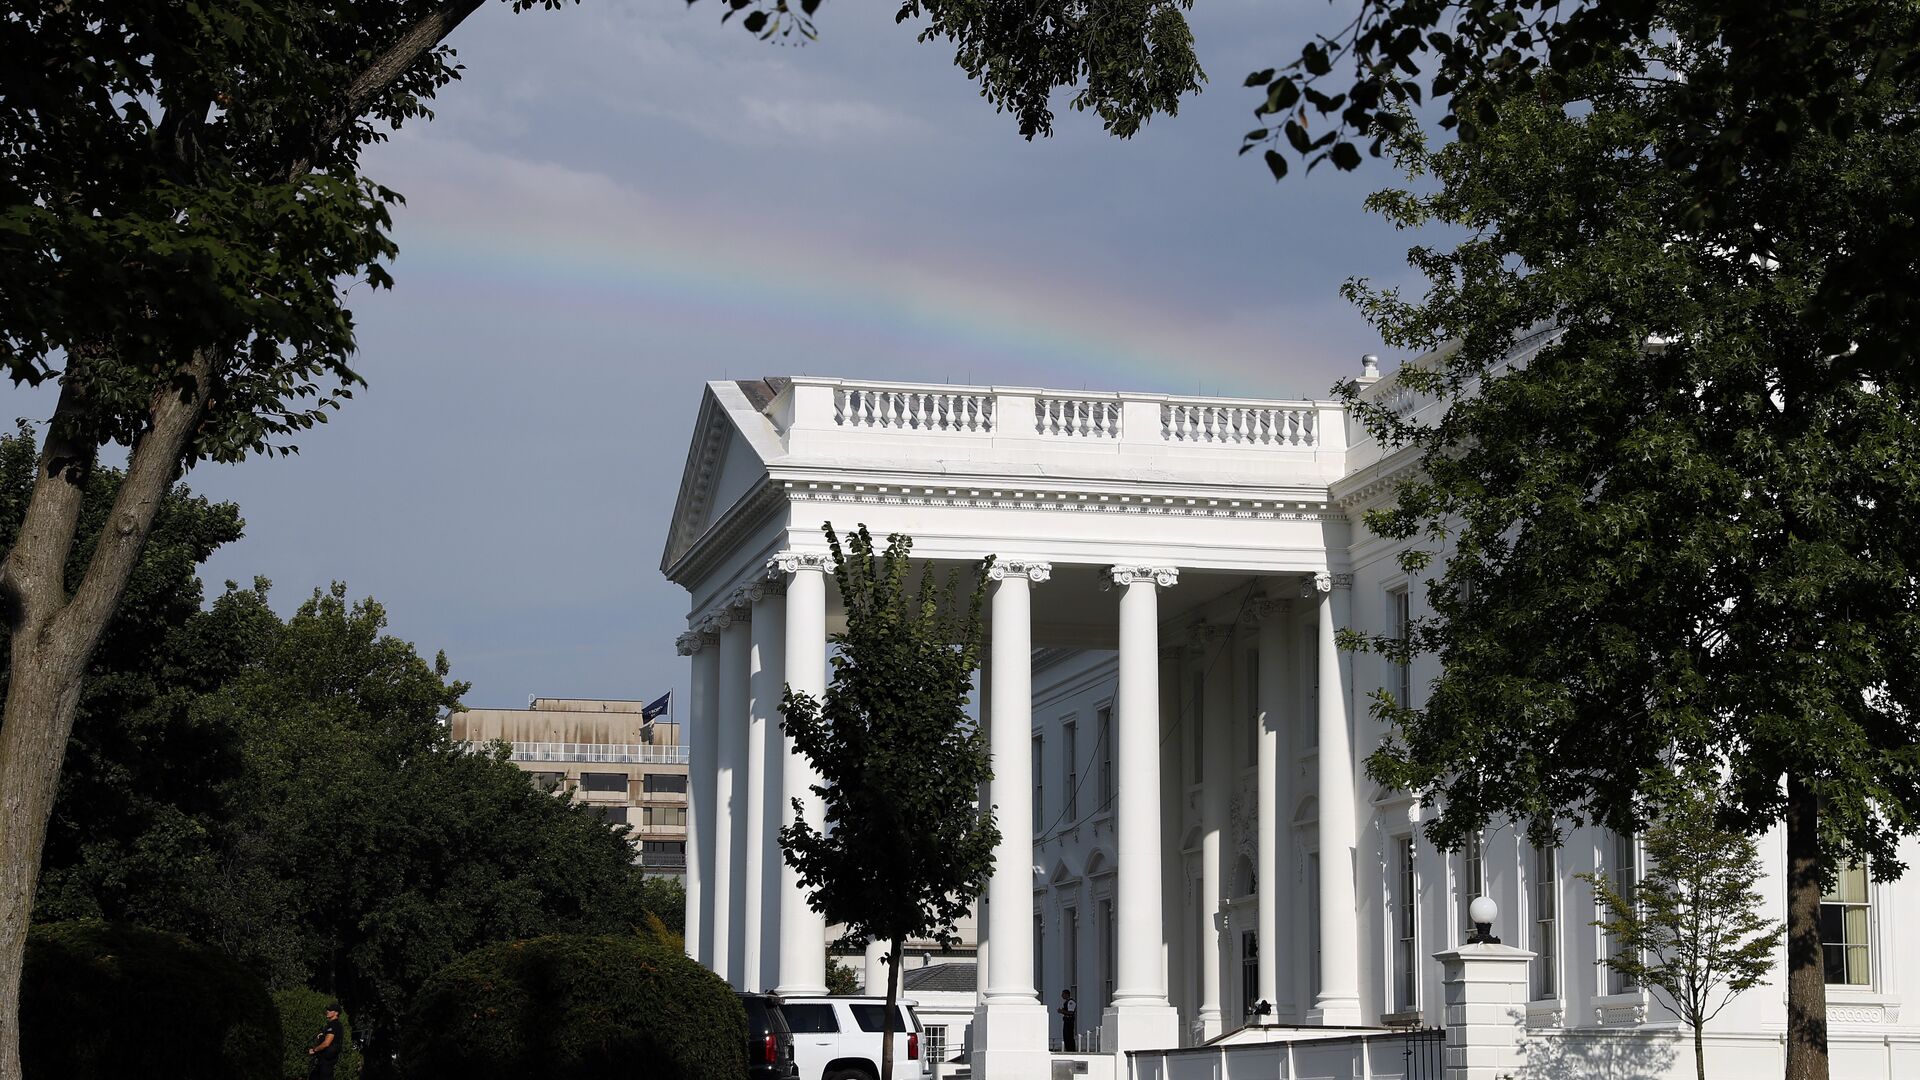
[
  {"x": 303, "y": 1013},
  {"x": 1677, "y": 475},
  {"x": 104, "y": 1002},
  {"x": 905, "y": 848},
  {"x": 576, "y": 1008}
]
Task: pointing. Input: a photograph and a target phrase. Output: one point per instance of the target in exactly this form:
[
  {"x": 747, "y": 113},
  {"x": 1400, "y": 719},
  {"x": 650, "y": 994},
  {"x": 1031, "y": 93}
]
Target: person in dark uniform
[
  {"x": 1069, "y": 1012},
  {"x": 326, "y": 1047}
]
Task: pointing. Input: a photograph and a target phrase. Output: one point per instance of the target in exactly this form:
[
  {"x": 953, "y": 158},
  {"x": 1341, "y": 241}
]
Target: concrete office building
[
  {"x": 1178, "y": 745},
  {"x": 604, "y": 755}
]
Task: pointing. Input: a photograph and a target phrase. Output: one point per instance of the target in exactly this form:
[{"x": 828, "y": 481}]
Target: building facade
[
  {"x": 604, "y": 755},
  {"x": 1190, "y": 840}
]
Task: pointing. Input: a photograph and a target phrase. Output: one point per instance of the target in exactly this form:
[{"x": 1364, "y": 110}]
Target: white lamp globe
[{"x": 1483, "y": 910}]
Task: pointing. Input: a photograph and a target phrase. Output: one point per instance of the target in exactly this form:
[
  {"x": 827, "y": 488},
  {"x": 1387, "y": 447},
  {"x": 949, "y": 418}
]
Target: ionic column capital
[
  {"x": 1035, "y": 572},
  {"x": 693, "y": 641},
  {"x": 1324, "y": 583},
  {"x": 1205, "y": 635},
  {"x": 1163, "y": 576},
  {"x": 1262, "y": 608},
  {"x": 792, "y": 562},
  {"x": 716, "y": 620},
  {"x": 744, "y": 597}
]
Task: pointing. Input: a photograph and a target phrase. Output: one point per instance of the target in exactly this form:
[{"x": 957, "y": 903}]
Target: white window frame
[
  {"x": 1070, "y": 770},
  {"x": 1403, "y": 924},
  {"x": 1846, "y": 943},
  {"x": 1543, "y": 924}
]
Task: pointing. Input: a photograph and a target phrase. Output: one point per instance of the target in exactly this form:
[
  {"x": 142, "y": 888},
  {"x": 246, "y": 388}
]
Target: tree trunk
[
  {"x": 893, "y": 995},
  {"x": 1806, "y": 973},
  {"x": 53, "y": 639},
  {"x": 1699, "y": 1054}
]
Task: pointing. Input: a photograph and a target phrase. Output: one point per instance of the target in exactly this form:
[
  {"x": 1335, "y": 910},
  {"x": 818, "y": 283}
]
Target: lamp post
[{"x": 1482, "y": 911}]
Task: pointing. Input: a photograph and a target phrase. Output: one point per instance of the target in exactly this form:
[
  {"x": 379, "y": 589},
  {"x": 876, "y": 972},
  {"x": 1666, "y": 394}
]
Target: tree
[
  {"x": 905, "y": 849},
  {"x": 1768, "y": 84},
  {"x": 1688, "y": 925},
  {"x": 181, "y": 213},
  {"x": 1676, "y": 478}
]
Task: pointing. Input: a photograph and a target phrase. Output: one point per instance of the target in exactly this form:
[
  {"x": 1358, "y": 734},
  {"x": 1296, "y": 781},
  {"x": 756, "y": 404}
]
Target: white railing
[
  {"x": 914, "y": 410},
  {"x": 1238, "y": 425},
  {"x": 603, "y": 753},
  {"x": 1086, "y": 418}
]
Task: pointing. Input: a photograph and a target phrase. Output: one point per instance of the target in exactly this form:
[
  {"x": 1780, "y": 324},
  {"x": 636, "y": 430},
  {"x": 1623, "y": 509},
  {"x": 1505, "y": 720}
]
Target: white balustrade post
[
  {"x": 802, "y": 931},
  {"x": 1139, "y": 1017},
  {"x": 1274, "y": 850},
  {"x": 1339, "y": 999},
  {"x": 1485, "y": 989},
  {"x": 700, "y": 644},
  {"x": 1010, "y": 1028},
  {"x": 1217, "y": 782},
  {"x": 766, "y": 664}
]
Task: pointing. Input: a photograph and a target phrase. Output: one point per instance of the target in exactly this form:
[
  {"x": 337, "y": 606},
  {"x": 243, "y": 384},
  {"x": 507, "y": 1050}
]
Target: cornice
[
  {"x": 1375, "y": 480},
  {"x": 1040, "y": 494},
  {"x": 749, "y": 513}
]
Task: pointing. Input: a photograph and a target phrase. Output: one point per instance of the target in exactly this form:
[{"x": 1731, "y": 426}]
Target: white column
[
  {"x": 802, "y": 931},
  {"x": 1275, "y": 848},
  {"x": 1010, "y": 1029},
  {"x": 766, "y": 663},
  {"x": 1139, "y": 1016},
  {"x": 701, "y": 760},
  {"x": 1339, "y": 1000},
  {"x": 873, "y": 969},
  {"x": 730, "y": 817},
  {"x": 1217, "y": 783}
]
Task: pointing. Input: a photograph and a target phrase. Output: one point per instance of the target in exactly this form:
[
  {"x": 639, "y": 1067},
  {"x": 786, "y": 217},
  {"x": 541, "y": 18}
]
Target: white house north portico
[{"x": 1177, "y": 740}]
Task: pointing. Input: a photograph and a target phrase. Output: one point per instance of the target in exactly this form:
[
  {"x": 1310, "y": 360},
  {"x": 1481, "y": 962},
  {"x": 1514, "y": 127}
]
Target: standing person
[
  {"x": 1069, "y": 1012},
  {"x": 326, "y": 1047}
]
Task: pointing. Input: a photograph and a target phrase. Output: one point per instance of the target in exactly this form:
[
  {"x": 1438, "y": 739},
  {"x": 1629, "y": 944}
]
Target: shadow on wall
[{"x": 1596, "y": 1055}]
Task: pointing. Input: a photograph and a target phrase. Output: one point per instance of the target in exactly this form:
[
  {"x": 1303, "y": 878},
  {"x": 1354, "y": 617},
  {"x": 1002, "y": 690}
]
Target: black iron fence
[{"x": 1426, "y": 1053}]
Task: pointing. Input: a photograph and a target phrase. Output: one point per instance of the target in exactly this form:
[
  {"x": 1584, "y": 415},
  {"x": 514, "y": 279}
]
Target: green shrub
[
  {"x": 100, "y": 1001},
  {"x": 303, "y": 1013},
  {"x": 572, "y": 1007}
]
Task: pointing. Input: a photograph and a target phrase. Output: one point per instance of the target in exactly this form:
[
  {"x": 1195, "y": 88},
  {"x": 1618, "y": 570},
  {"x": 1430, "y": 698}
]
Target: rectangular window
[
  {"x": 546, "y": 781},
  {"x": 1070, "y": 955},
  {"x": 1311, "y": 713},
  {"x": 1406, "y": 968},
  {"x": 936, "y": 1040},
  {"x": 663, "y": 817},
  {"x": 604, "y": 781},
  {"x": 1249, "y": 973},
  {"x": 1845, "y": 916},
  {"x": 1039, "y": 951},
  {"x": 1109, "y": 953},
  {"x": 1106, "y": 757},
  {"x": 810, "y": 1019},
  {"x": 665, "y": 783},
  {"x": 1402, "y": 617},
  {"x": 1039, "y": 784},
  {"x": 1626, "y": 878},
  {"x": 1197, "y": 717},
  {"x": 1473, "y": 879},
  {"x": 1069, "y": 767},
  {"x": 612, "y": 815},
  {"x": 1313, "y": 923},
  {"x": 873, "y": 1017},
  {"x": 1546, "y": 925}
]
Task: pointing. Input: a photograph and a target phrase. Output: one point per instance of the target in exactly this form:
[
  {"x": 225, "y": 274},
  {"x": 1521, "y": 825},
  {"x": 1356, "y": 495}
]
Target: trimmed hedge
[
  {"x": 573, "y": 1007},
  {"x": 101, "y": 1001},
  {"x": 303, "y": 1013}
]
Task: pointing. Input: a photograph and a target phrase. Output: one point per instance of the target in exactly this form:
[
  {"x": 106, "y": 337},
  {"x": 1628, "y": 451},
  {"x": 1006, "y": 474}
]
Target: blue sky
[{"x": 622, "y": 200}]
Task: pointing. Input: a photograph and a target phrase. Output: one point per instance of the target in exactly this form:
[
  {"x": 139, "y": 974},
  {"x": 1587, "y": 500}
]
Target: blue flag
[{"x": 655, "y": 709}]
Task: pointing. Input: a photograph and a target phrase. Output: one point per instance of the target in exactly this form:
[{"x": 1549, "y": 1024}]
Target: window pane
[{"x": 810, "y": 1019}]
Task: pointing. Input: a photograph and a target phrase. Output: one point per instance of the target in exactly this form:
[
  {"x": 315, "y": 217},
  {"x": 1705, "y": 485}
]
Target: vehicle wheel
[{"x": 849, "y": 1074}]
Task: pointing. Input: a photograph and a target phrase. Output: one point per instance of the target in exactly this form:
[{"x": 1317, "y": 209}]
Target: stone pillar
[
  {"x": 729, "y": 816},
  {"x": 760, "y": 862},
  {"x": 1217, "y": 783},
  {"x": 1139, "y": 1016},
  {"x": 1275, "y": 846},
  {"x": 1010, "y": 1028},
  {"x": 1339, "y": 1000},
  {"x": 873, "y": 974},
  {"x": 802, "y": 931},
  {"x": 701, "y": 761},
  {"x": 1485, "y": 988}
]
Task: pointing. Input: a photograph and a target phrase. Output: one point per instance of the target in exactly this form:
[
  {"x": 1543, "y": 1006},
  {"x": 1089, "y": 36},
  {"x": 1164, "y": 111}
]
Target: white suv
[{"x": 838, "y": 1038}]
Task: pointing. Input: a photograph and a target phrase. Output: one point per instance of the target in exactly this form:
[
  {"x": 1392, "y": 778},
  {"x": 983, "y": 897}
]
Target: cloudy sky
[{"x": 624, "y": 199}]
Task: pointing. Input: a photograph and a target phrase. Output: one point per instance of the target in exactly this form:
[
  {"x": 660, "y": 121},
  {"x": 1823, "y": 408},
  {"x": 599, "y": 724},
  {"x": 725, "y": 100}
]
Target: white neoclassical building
[{"x": 1178, "y": 746}]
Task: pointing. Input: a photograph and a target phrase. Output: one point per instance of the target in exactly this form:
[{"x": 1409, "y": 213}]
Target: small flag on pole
[{"x": 655, "y": 709}]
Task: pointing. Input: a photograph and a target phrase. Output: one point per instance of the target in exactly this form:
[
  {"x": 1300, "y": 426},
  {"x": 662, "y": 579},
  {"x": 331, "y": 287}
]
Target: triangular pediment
[{"x": 726, "y": 460}]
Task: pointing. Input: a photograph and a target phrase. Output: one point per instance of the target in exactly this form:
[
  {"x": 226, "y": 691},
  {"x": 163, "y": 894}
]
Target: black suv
[{"x": 769, "y": 1040}]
